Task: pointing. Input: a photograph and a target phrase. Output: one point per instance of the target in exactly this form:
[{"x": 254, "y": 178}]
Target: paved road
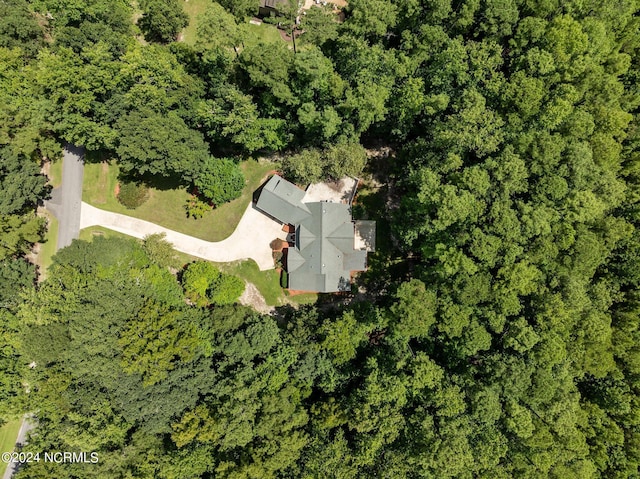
[
  {"x": 66, "y": 200},
  {"x": 65, "y": 204},
  {"x": 251, "y": 238},
  {"x": 26, "y": 426}
]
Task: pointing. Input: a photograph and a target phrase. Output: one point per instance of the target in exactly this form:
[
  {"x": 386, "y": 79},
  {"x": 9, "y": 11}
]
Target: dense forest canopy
[{"x": 496, "y": 333}]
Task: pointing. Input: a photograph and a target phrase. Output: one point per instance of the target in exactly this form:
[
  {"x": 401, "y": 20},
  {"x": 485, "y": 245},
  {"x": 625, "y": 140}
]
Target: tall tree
[{"x": 162, "y": 20}]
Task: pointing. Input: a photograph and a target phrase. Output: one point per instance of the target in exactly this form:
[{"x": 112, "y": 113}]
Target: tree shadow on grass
[{"x": 157, "y": 182}]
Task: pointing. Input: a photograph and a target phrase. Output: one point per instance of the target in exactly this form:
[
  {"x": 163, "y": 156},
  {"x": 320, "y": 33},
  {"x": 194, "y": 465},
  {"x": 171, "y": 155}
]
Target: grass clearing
[
  {"x": 165, "y": 205},
  {"x": 267, "y": 282},
  {"x": 256, "y": 33},
  {"x": 303, "y": 298},
  {"x": 265, "y": 33},
  {"x": 55, "y": 173},
  {"x": 8, "y": 435},
  {"x": 193, "y": 8},
  {"x": 47, "y": 246},
  {"x": 88, "y": 234}
]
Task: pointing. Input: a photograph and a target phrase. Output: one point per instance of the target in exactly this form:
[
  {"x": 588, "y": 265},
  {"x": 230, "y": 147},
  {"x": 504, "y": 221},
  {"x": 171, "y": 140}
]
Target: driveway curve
[{"x": 250, "y": 240}]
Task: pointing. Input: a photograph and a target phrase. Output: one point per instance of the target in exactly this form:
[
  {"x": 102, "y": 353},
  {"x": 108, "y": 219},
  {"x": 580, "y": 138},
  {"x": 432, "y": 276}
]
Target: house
[
  {"x": 268, "y": 8},
  {"x": 326, "y": 245}
]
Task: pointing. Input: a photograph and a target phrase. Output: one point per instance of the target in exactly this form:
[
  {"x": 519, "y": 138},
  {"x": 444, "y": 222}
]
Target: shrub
[
  {"x": 196, "y": 208},
  {"x": 337, "y": 161},
  {"x": 220, "y": 180},
  {"x": 284, "y": 279},
  {"x": 226, "y": 290},
  {"x": 277, "y": 258},
  {"x": 344, "y": 159},
  {"x": 132, "y": 195},
  {"x": 204, "y": 284}
]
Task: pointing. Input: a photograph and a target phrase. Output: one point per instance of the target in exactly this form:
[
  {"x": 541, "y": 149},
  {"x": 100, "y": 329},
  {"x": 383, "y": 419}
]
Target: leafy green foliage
[
  {"x": 160, "y": 145},
  {"x": 159, "y": 250},
  {"x": 221, "y": 180},
  {"x": 84, "y": 23},
  {"x": 241, "y": 8},
  {"x": 319, "y": 25},
  {"x": 196, "y": 207},
  {"x": 21, "y": 182},
  {"x": 204, "y": 284},
  {"x": 19, "y": 27},
  {"x": 502, "y": 341},
  {"x": 18, "y": 233},
  {"x": 155, "y": 341},
  {"x": 334, "y": 162},
  {"x": 162, "y": 20}
]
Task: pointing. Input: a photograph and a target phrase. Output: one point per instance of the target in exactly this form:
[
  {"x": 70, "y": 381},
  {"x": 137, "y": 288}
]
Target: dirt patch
[
  {"x": 284, "y": 35},
  {"x": 253, "y": 298},
  {"x": 296, "y": 292}
]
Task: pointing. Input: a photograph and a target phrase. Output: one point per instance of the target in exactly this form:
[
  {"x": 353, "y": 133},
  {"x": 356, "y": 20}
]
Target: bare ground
[{"x": 252, "y": 297}]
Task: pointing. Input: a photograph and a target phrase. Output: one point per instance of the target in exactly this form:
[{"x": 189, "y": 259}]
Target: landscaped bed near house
[{"x": 166, "y": 207}]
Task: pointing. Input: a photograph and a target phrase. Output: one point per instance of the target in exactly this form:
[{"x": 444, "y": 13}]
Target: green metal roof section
[{"x": 282, "y": 200}]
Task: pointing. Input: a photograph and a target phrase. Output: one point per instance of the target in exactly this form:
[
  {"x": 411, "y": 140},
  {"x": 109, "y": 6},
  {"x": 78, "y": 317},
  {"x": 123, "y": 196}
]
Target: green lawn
[
  {"x": 48, "y": 246},
  {"x": 55, "y": 173},
  {"x": 193, "y": 8},
  {"x": 91, "y": 232},
  {"x": 8, "y": 436},
  {"x": 265, "y": 33},
  {"x": 256, "y": 33},
  {"x": 267, "y": 282},
  {"x": 166, "y": 206},
  {"x": 304, "y": 298}
]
